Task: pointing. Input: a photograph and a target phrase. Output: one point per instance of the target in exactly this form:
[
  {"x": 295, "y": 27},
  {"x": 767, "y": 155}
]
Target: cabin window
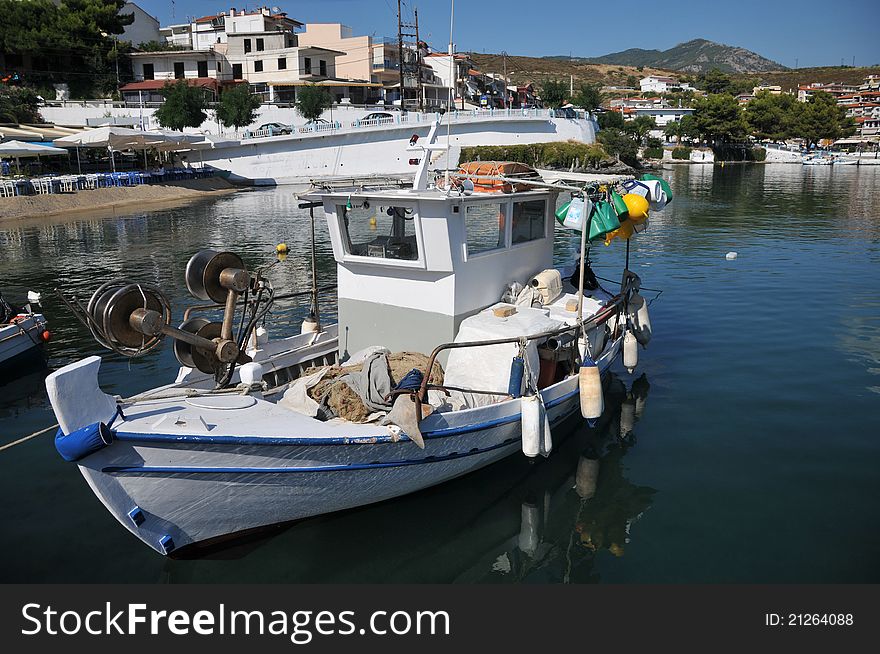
[
  {"x": 379, "y": 231},
  {"x": 484, "y": 226},
  {"x": 528, "y": 221}
]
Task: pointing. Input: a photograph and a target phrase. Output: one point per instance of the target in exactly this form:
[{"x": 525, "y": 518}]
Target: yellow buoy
[
  {"x": 623, "y": 232},
  {"x": 373, "y": 222},
  {"x": 637, "y": 207}
]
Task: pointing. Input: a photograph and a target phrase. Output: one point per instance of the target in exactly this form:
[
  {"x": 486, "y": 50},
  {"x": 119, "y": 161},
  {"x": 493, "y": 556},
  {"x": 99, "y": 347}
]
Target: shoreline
[{"x": 110, "y": 201}]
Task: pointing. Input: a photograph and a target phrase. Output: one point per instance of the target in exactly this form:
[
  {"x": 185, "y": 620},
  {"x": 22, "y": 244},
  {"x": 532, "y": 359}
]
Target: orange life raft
[{"x": 476, "y": 170}]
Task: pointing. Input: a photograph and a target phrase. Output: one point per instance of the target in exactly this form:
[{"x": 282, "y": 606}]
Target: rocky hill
[{"x": 696, "y": 56}]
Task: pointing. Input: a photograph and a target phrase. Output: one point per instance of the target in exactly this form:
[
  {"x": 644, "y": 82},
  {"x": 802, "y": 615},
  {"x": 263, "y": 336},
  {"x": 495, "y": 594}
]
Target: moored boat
[
  {"x": 23, "y": 333},
  {"x": 457, "y": 344}
]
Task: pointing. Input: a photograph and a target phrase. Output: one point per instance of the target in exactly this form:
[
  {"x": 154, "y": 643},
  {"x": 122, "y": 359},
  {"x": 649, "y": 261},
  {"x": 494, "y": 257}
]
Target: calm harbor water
[{"x": 755, "y": 442}]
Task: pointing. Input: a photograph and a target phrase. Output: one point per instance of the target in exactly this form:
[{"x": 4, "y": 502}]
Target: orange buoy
[{"x": 46, "y": 336}]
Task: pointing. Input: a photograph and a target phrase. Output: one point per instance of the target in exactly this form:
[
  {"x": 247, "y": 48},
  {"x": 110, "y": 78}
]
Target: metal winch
[{"x": 131, "y": 318}]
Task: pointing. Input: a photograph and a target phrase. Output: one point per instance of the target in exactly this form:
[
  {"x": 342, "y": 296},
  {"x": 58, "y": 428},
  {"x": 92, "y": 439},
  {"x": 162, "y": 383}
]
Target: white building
[
  {"x": 657, "y": 84},
  {"x": 451, "y": 75},
  {"x": 144, "y": 29},
  {"x": 179, "y": 35},
  {"x": 257, "y": 47},
  {"x": 662, "y": 116}
]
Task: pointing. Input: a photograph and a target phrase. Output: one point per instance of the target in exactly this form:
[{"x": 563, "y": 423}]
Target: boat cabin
[{"x": 413, "y": 263}]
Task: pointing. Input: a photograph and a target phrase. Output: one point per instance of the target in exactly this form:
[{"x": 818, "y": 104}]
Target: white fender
[
  {"x": 590, "y": 389},
  {"x": 532, "y": 425},
  {"x": 630, "y": 351},
  {"x": 641, "y": 321}
]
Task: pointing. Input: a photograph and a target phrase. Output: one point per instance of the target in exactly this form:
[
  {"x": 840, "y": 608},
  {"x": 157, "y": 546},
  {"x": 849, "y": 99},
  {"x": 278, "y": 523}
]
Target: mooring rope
[{"x": 27, "y": 438}]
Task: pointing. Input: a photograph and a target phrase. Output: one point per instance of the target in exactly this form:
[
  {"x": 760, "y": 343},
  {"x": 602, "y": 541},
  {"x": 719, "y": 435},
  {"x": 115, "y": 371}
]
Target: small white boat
[
  {"x": 23, "y": 334},
  {"x": 236, "y": 442},
  {"x": 817, "y": 159},
  {"x": 841, "y": 161}
]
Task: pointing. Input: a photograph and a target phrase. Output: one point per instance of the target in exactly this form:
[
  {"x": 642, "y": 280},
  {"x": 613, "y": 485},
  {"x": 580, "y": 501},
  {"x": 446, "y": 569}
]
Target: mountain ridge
[{"x": 694, "y": 56}]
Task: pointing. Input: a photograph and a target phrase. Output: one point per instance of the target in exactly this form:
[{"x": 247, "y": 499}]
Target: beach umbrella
[
  {"x": 118, "y": 138},
  {"x": 19, "y": 149},
  {"x": 22, "y": 149}
]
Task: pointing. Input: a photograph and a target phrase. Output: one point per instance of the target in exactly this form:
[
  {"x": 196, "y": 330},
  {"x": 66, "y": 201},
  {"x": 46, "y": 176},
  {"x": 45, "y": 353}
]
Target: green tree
[
  {"x": 719, "y": 119},
  {"x": 554, "y": 93},
  {"x": 238, "y": 107},
  {"x": 672, "y": 130},
  {"x": 70, "y": 42},
  {"x": 631, "y": 81},
  {"x": 610, "y": 119},
  {"x": 714, "y": 82},
  {"x": 774, "y": 117},
  {"x": 688, "y": 129},
  {"x": 19, "y": 105},
  {"x": 619, "y": 144},
  {"x": 184, "y": 105},
  {"x": 822, "y": 118},
  {"x": 312, "y": 100},
  {"x": 588, "y": 96},
  {"x": 639, "y": 127}
]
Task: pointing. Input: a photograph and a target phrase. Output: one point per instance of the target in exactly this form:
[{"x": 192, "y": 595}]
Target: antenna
[{"x": 452, "y": 77}]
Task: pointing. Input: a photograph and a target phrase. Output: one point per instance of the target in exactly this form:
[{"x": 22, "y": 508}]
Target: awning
[
  {"x": 156, "y": 84},
  {"x": 328, "y": 82},
  {"x": 22, "y": 149}
]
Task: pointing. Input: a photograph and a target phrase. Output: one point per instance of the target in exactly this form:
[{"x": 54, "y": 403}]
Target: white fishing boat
[
  {"x": 457, "y": 344},
  {"x": 23, "y": 333},
  {"x": 817, "y": 159}
]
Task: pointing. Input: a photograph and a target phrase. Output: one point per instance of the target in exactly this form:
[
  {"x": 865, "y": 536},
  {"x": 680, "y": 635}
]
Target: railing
[
  {"x": 320, "y": 127},
  {"x": 631, "y": 282},
  {"x": 413, "y": 118}
]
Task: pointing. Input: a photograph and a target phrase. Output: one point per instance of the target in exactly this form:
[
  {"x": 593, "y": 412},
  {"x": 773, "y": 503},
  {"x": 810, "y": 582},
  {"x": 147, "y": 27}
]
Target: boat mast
[{"x": 451, "y": 88}]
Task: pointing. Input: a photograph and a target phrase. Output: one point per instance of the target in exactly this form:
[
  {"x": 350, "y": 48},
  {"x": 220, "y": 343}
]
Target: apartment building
[{"x": 258, "y": 47}]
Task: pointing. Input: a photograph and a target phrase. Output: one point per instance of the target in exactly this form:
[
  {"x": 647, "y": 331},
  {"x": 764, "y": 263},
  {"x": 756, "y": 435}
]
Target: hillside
[
  {"x": 791, "y": 79},
  {"x": 523, "y": 70},
  {"x": 696, "y": 56},
  {"x": 537, "y": 69}
]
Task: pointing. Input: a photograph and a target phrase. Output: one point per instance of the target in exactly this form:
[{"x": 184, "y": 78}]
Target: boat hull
[
  {"x": 21, "y": 346},
  {"x": 191, "y": 490}
]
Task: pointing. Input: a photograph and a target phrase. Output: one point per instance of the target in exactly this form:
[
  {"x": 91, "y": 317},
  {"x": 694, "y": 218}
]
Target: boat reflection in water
[
  {"x": 570, "y": 515},
  {"x": 513, "y": 521}
]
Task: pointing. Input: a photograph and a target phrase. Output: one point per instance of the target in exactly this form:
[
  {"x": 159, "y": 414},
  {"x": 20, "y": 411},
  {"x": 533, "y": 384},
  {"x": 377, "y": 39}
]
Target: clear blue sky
[{"x": 815, "y": 32}]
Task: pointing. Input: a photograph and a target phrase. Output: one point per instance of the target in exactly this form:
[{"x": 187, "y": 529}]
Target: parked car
[
  {"x": 379, "y": 116},
  {"x": 275, "y": 128}
]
